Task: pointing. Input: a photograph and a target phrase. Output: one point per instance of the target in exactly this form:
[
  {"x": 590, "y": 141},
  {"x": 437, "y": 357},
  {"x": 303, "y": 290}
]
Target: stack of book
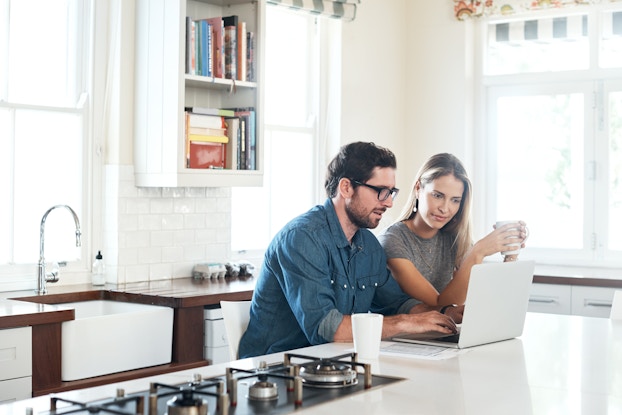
[
  {"x": 221, "y": 138},
  {"x": 206, "y": 138},
  {"x": 241, "y": 130},
  {"x": 220, "y": 47}
]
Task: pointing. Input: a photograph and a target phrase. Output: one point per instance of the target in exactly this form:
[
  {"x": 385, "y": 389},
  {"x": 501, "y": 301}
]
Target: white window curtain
[
  {"x": 463, "y": 9},
  {"x": 338, "y": 9}
]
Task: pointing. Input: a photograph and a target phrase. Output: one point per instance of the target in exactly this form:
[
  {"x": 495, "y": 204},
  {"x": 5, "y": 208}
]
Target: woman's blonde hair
[{"x": 440, "y": 165}]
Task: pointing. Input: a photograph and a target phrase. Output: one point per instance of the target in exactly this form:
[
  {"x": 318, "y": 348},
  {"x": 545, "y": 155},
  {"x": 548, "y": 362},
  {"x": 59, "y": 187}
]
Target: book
[
  {"x": 207, "y": 138},
  {"x": 204, "y": 121},
  {"x": 189, "y": 46},
  {"x": 206, "y": 155},
  {"x": 217, "y": 29},
  {"x": 250, "y": 56},
  {"x": 210, "y": 111},
  {"x": 241, "y": 55},
  {"x": 207, "y": 131},
  {"x": 205, "y": 52},
  {"x": 248, "y": 140},
  {"x": 230, "y": 44},
  {"x": 233, "y": 132}
]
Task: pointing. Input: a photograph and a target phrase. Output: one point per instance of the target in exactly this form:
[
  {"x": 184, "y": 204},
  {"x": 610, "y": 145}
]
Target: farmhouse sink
[{"x": 113, "y": 336}]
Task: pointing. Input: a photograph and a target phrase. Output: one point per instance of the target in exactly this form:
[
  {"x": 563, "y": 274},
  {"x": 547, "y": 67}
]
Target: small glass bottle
[{"x": 99, "y": 276}]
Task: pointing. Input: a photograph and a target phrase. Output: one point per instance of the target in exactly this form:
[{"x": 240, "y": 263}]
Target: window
[
  {"x": 44, "y": 101},
  {"x": 291, "y": 134},
  {"x": 554, "y": 115}
]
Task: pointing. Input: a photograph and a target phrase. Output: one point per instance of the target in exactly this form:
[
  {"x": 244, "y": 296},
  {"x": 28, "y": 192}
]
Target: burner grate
[{"x": 120, "y": 405}]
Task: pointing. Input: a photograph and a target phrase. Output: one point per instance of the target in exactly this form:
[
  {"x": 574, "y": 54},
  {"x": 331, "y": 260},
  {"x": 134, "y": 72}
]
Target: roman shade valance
[{"x": 338, "y": 9}]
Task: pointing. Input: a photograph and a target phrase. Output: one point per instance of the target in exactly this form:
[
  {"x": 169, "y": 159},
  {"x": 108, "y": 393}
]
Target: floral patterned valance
[{"x": 464, "y": 9}]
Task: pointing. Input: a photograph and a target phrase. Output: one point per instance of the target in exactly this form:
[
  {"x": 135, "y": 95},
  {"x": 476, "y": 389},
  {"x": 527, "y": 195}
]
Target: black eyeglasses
[{"x": 383, "y": 192}]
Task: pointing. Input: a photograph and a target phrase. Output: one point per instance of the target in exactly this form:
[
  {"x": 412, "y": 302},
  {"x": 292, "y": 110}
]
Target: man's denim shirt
[{"x": 311, "y": 276}]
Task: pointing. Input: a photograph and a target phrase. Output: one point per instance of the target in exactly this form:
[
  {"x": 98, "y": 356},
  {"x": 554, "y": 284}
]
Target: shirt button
[
  {"x": 345, "y": 285},
  {"x": 375, "y": 284},
  {"x": 363, "y": 287},
  {"x": 332, "y": 281}
]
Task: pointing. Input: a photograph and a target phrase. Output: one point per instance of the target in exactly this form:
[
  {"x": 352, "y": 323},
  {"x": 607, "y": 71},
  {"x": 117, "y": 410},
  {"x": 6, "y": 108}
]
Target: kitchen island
[{"x": 561, "y": 364}]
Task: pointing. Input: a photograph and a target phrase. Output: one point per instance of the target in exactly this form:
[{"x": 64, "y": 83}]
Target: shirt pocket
[
  {"x": 368, "y": 283},
  {"x": 365, "y": 290}
]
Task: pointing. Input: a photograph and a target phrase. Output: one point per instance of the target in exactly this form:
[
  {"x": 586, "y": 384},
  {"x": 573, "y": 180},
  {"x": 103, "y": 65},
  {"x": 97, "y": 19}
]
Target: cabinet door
[
  {"x": 592, "y": 301},
  {"x": 15, "y": 353},
  {"x": 550, "y": 298},
  {"x": 15, "y": 389}
]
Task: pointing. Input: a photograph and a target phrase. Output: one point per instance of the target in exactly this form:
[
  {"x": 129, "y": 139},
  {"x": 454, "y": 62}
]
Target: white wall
[
  {"x": 406, "y": 83},
  {"x": 404, "y": 86}
]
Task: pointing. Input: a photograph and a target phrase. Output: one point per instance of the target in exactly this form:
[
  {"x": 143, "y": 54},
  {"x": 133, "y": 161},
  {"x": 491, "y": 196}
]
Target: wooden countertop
[
  {"x": 21, "y": 308},
  {"x": 15, "y": 313}
]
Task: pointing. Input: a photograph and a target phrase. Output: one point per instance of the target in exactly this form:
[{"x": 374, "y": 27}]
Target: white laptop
[{"x": 495, "y": 306}]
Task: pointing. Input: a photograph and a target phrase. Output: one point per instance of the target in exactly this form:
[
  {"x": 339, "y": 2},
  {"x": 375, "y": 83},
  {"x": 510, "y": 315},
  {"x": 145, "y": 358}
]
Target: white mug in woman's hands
[{"x": 515, "y": 242}]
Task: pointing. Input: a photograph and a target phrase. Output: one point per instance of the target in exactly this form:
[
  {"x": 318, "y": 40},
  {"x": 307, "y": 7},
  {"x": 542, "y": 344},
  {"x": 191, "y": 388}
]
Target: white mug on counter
[
  {"x": 514, "y": 243},
  {"x": 367, "y": 333}
]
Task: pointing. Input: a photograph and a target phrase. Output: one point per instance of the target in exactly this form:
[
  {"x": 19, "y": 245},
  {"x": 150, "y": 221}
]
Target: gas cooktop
[{"x": 298, "y": 382}]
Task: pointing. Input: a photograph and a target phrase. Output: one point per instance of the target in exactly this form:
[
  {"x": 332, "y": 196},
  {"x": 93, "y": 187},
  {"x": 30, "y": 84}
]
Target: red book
[
  {"x": 218, "y": 55},
  {"x": 206, "y": 155}
]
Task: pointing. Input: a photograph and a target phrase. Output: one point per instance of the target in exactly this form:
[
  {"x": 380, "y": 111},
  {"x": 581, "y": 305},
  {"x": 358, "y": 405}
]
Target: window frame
[
  {"x": 90, "y": 65},
  {"x": 594, "y": 82}
]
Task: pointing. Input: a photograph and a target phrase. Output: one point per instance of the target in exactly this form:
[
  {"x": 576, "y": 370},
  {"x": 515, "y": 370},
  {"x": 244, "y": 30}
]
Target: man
[{"x": 325, "y": 265}]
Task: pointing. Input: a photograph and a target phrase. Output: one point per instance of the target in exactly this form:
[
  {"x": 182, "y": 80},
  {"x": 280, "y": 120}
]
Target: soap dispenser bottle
[{"x": 99, "y": 276}]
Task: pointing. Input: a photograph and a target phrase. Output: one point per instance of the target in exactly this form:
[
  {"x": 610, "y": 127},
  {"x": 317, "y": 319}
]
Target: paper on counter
[{"x": 419, "y": 351}]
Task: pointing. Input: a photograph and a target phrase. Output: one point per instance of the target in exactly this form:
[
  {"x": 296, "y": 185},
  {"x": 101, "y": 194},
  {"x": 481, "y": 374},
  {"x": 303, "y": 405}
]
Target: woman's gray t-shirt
[{"x": 434, "y": 258}]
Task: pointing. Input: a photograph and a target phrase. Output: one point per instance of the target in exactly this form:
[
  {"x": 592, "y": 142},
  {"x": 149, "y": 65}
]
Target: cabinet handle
[
  {"x": 596, "y": 303},
  {"x": 542, "y": 300}
]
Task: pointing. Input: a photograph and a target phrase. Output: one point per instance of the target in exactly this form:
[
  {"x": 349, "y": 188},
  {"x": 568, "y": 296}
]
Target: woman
[{"x": 429, "y": 249}]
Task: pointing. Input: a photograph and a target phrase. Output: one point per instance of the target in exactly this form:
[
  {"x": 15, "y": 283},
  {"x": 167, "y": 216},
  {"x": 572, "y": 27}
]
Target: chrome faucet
[{"x": 53, "y": 275}]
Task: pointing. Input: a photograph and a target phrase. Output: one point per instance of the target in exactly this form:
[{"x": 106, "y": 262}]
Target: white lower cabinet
[
  {"x": 592, "y": 301},
  {"x": 550, "y": 298},
  {"x": 571, "y": 299},
  {"x": 216, "y": 344},
  {"x": 15, "y": 364}
]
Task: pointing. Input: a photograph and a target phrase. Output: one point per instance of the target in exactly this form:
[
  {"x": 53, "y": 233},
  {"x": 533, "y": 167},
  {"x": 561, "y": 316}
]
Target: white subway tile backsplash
[
  {"x": 163, "y": 206},
  {"x": 173, "y": 222},
  {"x": 184, "y": 206},
  {"x": 136, "y": 273},
  {"x": 183, "y": 238},
  {"x": 150, "y": 222},
  {"x": 172, "y": 254},
  {"x": 195, "y": 221},
  {"x": 128, "y": 223},
  {"x": 174, "y": 192},
  {"x": 139, "y": 239},
  {"x": 136, "y": 206},
  {"x": 161, "y": 233},
  {"x": 195, "y": 192},
  {"x": 162, "y": 238},
  {"x": 195, "y": 253},
  {"x": 160, "y": 272},
  {"x": 150, "y": 255}
]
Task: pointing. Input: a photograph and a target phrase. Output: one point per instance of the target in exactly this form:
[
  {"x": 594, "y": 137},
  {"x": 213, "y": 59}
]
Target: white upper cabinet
[{"x": 163, "y": 90}]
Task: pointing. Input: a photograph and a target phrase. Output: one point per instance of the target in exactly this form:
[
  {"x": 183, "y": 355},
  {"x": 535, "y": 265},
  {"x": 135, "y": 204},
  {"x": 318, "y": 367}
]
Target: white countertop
[{"x": 561, "y": 365}]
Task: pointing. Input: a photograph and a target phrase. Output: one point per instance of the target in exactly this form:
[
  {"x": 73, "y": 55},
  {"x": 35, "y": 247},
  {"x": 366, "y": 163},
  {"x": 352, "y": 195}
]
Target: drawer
[
  {"x": 592, "y": 301},
  {"x": 15, "y": 353},
  {"x": 15, "y": 389},
  {"x": 550, "y": 298},
  {"x": 215, "y": 334}
]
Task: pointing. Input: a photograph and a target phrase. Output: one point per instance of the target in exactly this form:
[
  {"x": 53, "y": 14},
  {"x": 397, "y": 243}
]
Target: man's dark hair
[{"x": 356, "y": 161}]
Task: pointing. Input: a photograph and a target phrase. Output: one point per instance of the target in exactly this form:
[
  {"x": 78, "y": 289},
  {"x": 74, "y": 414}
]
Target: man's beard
[{"x": 360, "y": 219}]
